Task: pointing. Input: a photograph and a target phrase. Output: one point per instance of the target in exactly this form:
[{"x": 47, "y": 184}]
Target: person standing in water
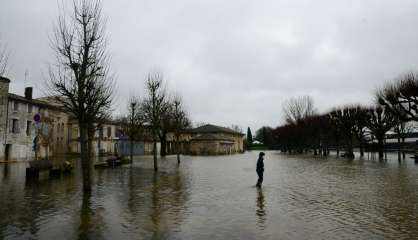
[{"x": 260, "y": 169}]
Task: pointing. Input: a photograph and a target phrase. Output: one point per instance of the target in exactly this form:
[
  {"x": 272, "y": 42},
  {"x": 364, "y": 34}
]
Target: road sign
[{"x": 37, "y": 117}]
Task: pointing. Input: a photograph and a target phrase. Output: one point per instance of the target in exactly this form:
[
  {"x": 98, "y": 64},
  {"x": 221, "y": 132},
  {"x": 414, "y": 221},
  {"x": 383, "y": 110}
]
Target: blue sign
[{"x": 37, "y": 117}]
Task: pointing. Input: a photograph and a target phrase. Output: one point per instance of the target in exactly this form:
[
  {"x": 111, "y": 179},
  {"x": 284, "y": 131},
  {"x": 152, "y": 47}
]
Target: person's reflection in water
[{"x": 261, "y": 212}]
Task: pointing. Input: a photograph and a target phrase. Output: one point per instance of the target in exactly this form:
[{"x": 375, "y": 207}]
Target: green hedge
[{"x": 258, "y": 147}]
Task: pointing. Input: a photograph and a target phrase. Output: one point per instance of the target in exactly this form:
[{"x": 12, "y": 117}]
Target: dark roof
[
  {"x": 4, "y": 79},
  {"x": 32, "y": 101},
  {"x": 209, "y": 128},
  {"x": 210, "y": 137}
]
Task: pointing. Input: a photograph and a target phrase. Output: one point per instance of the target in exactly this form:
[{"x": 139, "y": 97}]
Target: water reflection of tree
[
  {"x": 6, "y": 171},
  {"x": 86, "y": 213},
  {"x": 161, "y": 196},
  {"x": 261, "y": 212},
  {"x": 27, "y": 206}
]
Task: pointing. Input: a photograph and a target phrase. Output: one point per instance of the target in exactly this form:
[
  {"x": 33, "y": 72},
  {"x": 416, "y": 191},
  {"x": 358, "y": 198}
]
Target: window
[
  {"x": 28, "y": 127},
  {"x": 15, "y": 106},
  {"x": 109, "y": 132},
  {"x": 15, "y": 126},
  {"x": 30, "y": 108},
  {"x": 101, "y": 133}
]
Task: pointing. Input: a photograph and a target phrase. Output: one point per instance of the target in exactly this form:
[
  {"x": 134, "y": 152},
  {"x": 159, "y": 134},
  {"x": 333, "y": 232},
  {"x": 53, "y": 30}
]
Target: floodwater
[{"x": 216, "y": 198}]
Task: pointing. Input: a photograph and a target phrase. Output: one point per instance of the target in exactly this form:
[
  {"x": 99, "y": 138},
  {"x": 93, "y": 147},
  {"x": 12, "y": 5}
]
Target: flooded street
[{"x": 216, "y": 198}]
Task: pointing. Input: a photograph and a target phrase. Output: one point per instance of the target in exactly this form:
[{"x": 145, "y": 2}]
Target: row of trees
[
  {"x": 82, "y": 82},
  {"x": 156, "y": 115},
  {"x": 263, "y": 135},
  {"x": 342, "y": 127}
]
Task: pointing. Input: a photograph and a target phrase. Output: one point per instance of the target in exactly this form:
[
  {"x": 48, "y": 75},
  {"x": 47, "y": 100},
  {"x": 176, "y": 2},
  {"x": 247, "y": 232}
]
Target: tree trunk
[
  {"x": 155, "y": 154},
  {"x": 403, "y": 145},
  {"x": 178, "y": 149},
  {"x": 86, "y": 214},
  {"x": 349, "y": 150},
  {"x": 338, "y": 148},
  {"x": 380, "y": 146},
  {"x": 163, "y": 150},
  {"x": 361, "y": 147},
  {"x": 132, "y": 150},
  {"x": 85, "y": 158},
  {"x": 399, "y": 149}
]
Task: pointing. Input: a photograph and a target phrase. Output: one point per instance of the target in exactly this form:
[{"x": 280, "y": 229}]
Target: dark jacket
[{"x": 260, "y": 165}]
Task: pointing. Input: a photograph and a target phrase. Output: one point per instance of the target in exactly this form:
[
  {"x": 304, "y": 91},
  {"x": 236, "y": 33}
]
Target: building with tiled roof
[
  {"x": 214, "y": 140},
  {"x": 18, "y": 129}
]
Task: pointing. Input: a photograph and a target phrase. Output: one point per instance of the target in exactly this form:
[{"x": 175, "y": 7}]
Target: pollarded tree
[
  {"x": 380, "y": 121},
  {"x": 401, "y": 97},
  {"x": 360, "y": 124},
  {"x": 315, "y": 133},
  {"x": 133, "y": 124},
  {"x": 80, "y": 78},
  {"x": 166, "y": 125},
  {"x": 401, "y": 129},
  {"x": 153, "y": 107},
  {"x": 344, "y": 121},
  {"x": 181, "y": 121}
]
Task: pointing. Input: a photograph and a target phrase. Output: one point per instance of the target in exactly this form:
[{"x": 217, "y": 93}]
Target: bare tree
[
  {"x": 236, "y": 128},
  {"x": 402, "y": 128},
  {"x": 296, "y": 109},
  {"x": 166, "y": 125},
  {"x": 4, "y": 59},
  {"x": 380, "y": 122},
  {"x": 153, "y": 107},
  {"x": 181, "y": 121},
  {"x": 133, "y": 125},
  {"x": 80, "y": 79},
  {"x": 344, "y": 120},
  {"x": 360, "y": 124},
  {"x": 401, "y": 97}
]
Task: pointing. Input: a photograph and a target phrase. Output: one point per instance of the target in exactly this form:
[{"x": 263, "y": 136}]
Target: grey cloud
[{"x": 235, "y": 62}]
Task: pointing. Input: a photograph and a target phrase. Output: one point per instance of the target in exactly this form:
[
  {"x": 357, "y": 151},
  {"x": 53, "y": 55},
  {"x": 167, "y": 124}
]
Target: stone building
[
  {"x": 104, "y": 142},
  {"x": 19, "y": 130},
  {"x": 212, "y": 140}
]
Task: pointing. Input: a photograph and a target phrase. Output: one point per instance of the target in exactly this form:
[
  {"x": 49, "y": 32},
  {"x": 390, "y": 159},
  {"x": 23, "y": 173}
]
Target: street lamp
[{"x": 133, "y": 104}]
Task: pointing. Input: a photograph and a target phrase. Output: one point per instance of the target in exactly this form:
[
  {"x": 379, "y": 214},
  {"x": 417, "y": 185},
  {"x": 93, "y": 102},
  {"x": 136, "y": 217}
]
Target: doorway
[{"x": 7, "y": 152}]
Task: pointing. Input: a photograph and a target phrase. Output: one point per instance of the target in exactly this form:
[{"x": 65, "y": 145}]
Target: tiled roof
[
  {"x": 211, "y": 137},
  {"x": 209, "y": 128},
  {"x": 4, "y": 79},
  {"x": 32, "y": 101}
]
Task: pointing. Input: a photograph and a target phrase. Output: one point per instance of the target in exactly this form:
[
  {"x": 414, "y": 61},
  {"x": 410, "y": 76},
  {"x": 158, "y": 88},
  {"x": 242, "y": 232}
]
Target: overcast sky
[{"x": 235, "y": 61}]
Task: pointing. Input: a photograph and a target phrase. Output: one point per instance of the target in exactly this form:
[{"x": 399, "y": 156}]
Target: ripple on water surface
[{"x": 216, "y": 198}]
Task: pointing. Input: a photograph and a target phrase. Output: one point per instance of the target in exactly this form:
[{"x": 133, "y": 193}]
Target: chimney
[{"x": 28, "y": 93}]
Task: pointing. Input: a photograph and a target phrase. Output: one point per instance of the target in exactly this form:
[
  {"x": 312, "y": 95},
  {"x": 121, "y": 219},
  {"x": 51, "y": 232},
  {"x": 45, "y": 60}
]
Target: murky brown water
[{"x": 215, "y": 198}]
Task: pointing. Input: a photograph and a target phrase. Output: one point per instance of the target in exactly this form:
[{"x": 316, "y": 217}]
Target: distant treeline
[{"x": 342, "y": 128}]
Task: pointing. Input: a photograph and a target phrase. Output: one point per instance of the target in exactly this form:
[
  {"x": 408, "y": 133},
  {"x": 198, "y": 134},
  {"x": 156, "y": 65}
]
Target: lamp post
[{"x": 133, "y": 104}]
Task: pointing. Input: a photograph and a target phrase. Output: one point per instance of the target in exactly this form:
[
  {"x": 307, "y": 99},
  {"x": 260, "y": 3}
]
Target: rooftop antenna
[{"x": 26, "y": 77}]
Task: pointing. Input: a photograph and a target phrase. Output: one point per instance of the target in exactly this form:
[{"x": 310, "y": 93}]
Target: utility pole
[{"x": 133, "y": 104}]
